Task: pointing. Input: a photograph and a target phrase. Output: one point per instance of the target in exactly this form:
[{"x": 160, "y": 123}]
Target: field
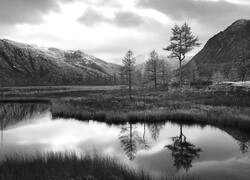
[{"x": 111, "y": 104}]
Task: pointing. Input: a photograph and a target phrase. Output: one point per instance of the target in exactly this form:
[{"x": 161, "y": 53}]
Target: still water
[{"x": 161, "y": 149}]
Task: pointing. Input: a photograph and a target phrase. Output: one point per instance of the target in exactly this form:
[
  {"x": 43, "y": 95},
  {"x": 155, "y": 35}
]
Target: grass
[
  {"x": 66, "y": 167},
  {"x": 203, "y": 115},
  {"x": 114, "y": 106},
  {"x": 157, "y": 107}
]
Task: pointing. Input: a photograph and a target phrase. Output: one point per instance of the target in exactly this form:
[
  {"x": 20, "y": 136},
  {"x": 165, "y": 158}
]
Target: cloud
[
  {"x": 124, "y": 19},
  {"x": 26, "y": 11},
  {"x": 91, "y": 17},
  {"x": 128, "y": 19},
  {"x": 211, "y": 13}
]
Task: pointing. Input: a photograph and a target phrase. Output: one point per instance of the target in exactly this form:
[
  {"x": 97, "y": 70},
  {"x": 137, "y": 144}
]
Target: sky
[{"x": 108, "y": 28}]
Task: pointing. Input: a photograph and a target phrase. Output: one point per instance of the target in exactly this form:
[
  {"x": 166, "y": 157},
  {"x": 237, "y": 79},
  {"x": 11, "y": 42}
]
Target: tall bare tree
[
  {"x": 152, "y": 68},
  {"x": 128, "y": 68},
  {"x": 182, "y": 41}
]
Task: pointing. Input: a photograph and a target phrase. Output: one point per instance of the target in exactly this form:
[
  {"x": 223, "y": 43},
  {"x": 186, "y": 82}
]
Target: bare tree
[
  {"x": 152, "y": 69},
  {"x": 127, "y": 69},
  {"x": 182, "y": 41}
]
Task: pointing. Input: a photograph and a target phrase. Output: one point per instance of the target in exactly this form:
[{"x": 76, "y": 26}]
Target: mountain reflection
[
  {"x": 242, "y": 138},
  {"x": 183, "y": 152},
  {"x": 11, "y": 113}
]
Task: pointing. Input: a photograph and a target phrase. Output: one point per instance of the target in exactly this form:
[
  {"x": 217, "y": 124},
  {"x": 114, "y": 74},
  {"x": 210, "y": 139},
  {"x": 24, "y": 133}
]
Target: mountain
[
  {"x": 226, "y": 55},
  {"x": 24, "y": 64}
]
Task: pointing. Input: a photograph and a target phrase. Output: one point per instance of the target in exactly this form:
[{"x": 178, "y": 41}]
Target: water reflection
[
  {"x": 183, "y": 152},
  {"x": 130, "y": 139},
  {"x": 171, "y": 149},
  {"x": 154, "y": 129},
  {"x": 143, "y": 141},
  {"x": 243, "y": 138},
  {"x": 12, "y": 113}
]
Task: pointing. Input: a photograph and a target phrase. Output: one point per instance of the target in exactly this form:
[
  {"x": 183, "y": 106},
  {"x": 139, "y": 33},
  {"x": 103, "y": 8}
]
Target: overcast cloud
[
  {"x": 107, "y": 28},
  {"x": 214, "y": 14}
]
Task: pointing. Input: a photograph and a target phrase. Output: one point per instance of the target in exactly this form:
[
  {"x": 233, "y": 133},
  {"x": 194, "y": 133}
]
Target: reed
[{"x": 60, "y": 166}]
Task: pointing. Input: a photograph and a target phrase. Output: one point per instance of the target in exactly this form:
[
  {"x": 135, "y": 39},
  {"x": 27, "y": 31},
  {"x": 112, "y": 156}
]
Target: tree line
[{"x": 156, "y": 72}]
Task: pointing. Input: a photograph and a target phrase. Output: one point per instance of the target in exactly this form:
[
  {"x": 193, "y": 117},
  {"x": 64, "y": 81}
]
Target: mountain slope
[
  {"x": 23, "y": 64},
  {"x": 224, "y": 53}
]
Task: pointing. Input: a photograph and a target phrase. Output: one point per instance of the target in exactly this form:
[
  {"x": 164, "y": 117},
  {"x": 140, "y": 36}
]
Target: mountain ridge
[
  {"x": 26, "y": 64},
  {"x": 222, "y": 54}
]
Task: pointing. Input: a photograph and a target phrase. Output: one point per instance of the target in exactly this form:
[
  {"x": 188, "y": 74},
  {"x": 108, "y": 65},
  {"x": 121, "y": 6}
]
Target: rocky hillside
[
  {"x": 23, "y": 64},
  {"x": 225, "y": 56}
]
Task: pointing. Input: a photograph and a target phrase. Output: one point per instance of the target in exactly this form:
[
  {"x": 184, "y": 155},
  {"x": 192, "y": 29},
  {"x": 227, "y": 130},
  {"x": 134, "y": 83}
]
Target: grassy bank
[
  {"x": 157, "y": 107},
  {"x": 66, "y": 167},
  {"x": 114, "y": 106}
]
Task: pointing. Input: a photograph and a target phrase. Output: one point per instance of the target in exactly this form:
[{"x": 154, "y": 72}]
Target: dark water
[{"x": 161, "y": 149}]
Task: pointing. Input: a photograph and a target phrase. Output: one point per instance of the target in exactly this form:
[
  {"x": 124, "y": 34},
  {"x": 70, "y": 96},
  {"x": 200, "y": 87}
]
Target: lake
[{"x": 166, "y": 149}]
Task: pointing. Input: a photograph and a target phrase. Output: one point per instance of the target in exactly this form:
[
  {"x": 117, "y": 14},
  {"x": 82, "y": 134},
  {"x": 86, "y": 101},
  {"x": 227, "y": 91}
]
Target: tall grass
[
  {"x": 117, "y": 111},
  {"x": 57, "y": 166},
  {"x": 68, "y": 166}
]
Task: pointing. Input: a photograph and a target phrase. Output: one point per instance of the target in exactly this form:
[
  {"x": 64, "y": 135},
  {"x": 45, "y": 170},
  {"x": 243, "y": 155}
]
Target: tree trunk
[
  {"x": 155, "y": 75},
  {"x": 181, "y": 130},
  {"x": 130, "y": 84},
  {"x": 180, "y": 74}
]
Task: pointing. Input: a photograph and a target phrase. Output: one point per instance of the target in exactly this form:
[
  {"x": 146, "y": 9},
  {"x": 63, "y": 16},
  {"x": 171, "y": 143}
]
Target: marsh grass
[
  {"x": 182, "y": 112},
  {"x": 58, "y": 166},
  {"x": 114, "y": 106}
]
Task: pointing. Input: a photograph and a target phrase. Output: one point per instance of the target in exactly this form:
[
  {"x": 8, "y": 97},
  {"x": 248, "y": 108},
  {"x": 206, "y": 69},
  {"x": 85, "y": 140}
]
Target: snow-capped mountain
[{"x": 25, "y": 64}]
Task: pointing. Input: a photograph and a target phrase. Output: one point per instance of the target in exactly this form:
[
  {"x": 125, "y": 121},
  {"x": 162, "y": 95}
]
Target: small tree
[
  {"x": 127, "y": 69},
  {"x": 152, "y": 68},
  {"x": 182, "y": 41}
]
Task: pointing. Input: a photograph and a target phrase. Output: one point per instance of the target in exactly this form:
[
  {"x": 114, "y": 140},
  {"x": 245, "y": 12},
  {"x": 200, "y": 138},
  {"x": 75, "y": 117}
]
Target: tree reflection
[
  {"x": 244, "y": 147},
  {"x": 183, "y": 152},
  {"x": 243, "y": 141},
  {"x": 129, "y": 139},
  {"x": 155, "y": 130},
  {"x": 143, "y": 141}
]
